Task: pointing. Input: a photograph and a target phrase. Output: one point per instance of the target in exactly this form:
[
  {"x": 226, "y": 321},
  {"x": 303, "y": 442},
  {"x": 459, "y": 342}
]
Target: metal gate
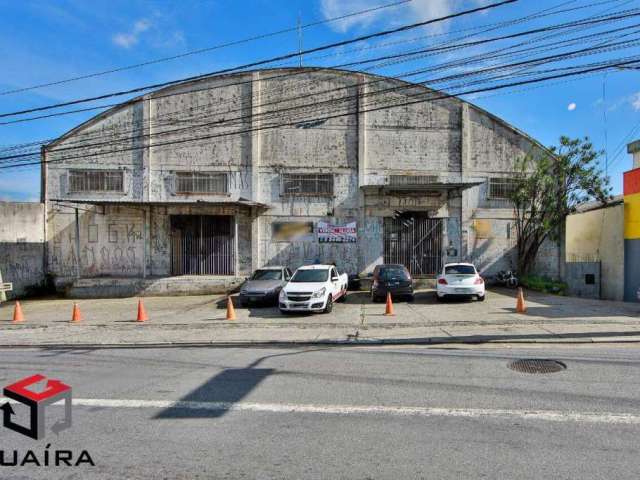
[
  {"x": 415, "y": 241},
  {"x": 202, "y": 245}
]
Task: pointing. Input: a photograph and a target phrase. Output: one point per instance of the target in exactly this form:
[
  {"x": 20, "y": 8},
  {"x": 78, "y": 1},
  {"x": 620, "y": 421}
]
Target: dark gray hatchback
[{"x": 391, "y": 278}]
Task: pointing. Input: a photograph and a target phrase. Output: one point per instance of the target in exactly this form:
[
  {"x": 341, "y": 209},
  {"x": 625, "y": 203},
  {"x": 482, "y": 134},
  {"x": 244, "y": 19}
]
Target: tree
[{"x": 548, "y": 186}]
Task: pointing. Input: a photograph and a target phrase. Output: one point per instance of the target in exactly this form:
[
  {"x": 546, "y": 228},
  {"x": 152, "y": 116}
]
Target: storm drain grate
[{"x": 537, "y": 365}]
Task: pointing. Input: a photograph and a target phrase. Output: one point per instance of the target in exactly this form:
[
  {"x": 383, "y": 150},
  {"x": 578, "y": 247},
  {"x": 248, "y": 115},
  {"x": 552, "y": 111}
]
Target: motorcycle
[{"x": 507, "y": 278}]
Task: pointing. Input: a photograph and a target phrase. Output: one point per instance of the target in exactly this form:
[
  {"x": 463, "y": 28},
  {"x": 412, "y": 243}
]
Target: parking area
[{"x": 357, "y": 310}]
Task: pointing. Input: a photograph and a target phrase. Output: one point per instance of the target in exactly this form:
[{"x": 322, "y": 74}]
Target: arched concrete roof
[{"x": 294, "y": 70}]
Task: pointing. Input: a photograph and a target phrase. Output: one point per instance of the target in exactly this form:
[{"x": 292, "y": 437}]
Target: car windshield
[
  {"x": 267, "y": 275},
  {"x": 302, "y": 276},
  {"x": 460, "y": 270},
  {"x": 393, "y": 274}
]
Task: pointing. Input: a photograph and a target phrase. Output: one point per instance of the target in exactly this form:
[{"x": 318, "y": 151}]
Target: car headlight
[
  {"x": 320, "y": 293},
  {"x": 283, "y": 295}
]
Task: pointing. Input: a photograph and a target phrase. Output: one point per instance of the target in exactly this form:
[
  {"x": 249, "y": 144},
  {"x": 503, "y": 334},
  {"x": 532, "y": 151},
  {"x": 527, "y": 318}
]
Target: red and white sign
[{"x": 329, "y": 233}]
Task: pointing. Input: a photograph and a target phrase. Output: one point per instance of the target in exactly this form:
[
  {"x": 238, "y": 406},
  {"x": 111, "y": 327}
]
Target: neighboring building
[
  {"x": 632, "y": 226},
  {"x": 594, "y": 246},
  {"x": 602, "y": 243},
  {"x": 219, "y": 176},
  {"x": 22, "y": 247}
]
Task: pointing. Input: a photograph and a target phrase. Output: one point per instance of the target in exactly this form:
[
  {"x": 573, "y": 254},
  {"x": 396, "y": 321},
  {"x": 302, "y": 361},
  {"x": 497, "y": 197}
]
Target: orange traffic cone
[
  {"x": 142, "y": 313},
  {"x": 75, "y": 315},
  {"x": 17, "y": 314},
  {"x": 231, "y": 312},
  {"x": 520, "y": 306},
  {"x": 389, "y": 309}
]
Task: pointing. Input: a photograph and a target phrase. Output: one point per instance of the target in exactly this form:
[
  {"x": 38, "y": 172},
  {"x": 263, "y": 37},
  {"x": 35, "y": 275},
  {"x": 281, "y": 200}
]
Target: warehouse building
[{"x": 193, "y": 186}]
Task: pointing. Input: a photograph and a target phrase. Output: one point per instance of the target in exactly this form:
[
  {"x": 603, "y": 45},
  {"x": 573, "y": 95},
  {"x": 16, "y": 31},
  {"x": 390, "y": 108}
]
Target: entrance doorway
[
  {"x": 415, "y": 241},
  {"x": 202, "y": 245}
]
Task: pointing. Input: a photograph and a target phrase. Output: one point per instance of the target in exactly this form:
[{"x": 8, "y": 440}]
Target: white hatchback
[{"x": 460, "y": 280}]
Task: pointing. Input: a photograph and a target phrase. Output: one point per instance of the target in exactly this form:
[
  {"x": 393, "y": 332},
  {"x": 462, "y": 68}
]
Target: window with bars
[
  {"x": 307, "y": 184},
  {"x": 201, "y": 182},
  {"x": 96, "y": 181},
  {"x": 501, "y": 188},
  {"x": 410, "y": 180}
]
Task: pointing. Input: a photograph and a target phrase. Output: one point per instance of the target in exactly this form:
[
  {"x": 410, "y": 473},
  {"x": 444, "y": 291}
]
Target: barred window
[
  {"x": 296, "y": 184},
  {"x": 411, "y": 180},
  {"x": 502, "y": 188},
  {"x": 96, "y": 181},
  {"x": 201, "y": 182}
]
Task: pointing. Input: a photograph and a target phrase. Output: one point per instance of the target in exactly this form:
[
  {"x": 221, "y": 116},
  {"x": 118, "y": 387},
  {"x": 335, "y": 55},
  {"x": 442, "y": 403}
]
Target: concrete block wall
[
  {"x": 111, "y": 241},
  {"x": 22, "y": 246}
]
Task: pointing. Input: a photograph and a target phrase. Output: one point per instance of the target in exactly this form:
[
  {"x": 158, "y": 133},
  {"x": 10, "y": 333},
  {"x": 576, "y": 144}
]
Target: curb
[{"x": 336, "y": 343}]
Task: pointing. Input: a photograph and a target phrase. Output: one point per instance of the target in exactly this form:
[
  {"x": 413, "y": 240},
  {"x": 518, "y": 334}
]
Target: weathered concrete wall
[
  {"x": 584, "y": 279},
  {"x": 361, "y": 148},
  {"x": 22, "y": 246},
  {"x": 598, "y": 236},
  {"x": 111, "y": 241},
  {"x": 126, "y": 241}
]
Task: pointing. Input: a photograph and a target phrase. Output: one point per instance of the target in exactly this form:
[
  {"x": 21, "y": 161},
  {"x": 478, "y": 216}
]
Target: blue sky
[{"x": 49, "y": 40}]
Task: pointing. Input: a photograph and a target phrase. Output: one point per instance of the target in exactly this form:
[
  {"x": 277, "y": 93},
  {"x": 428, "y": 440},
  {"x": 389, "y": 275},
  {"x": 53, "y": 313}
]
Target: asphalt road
[{"x": 354, "y": 413}]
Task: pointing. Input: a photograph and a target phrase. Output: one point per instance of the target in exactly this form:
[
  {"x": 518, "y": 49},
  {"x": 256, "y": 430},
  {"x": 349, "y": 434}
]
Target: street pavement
[
  {"x": 338, "y": 412},
  {"x": 201, "y": 320}
]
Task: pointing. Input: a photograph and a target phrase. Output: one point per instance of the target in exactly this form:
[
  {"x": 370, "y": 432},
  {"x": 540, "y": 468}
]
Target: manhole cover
[{"x": 537, "y": 365}]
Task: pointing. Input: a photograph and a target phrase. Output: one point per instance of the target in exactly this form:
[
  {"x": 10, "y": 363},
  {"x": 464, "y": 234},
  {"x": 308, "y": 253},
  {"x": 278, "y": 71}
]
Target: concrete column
[
  {"x": 256, "y": 154},
  {"x": 147, "y": 112},
  {"x": 78, "y": 266},
  {"x": 465, "y": 155},
  {"x": 236, "y": 244},
  {"x": 634, "y": 149},
  {"x": 362, "y": 175}
]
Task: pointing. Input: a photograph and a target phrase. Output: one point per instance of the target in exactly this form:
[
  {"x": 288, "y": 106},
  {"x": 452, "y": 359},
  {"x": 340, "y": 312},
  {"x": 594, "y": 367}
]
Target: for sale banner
[{"x": 330, "y": 233}]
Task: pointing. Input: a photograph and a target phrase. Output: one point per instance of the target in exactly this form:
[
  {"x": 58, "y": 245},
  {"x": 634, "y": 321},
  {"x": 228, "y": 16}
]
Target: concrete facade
[
  {"x": 22, "y": 246},
  {"x": 258, "y": 127},
  {"x": 594, "y": 241}
]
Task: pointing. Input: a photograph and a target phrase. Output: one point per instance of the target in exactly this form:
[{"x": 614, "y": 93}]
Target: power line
[
  {"x": 583, "y": 22},
  {"x": 437, "y": 80},
  {"x": 361, "y": 38},
  {"x": 208, "y": 49},
  {"x": 338, "y": 115}
]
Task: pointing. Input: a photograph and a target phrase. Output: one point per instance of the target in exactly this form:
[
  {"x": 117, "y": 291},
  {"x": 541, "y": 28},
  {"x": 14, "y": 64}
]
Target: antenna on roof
[{"x": 300, "y": 38}]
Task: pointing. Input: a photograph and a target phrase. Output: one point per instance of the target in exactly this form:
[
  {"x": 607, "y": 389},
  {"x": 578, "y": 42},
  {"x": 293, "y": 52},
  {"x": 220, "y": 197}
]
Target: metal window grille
[
  {"x": 307, "y": 184},
  {"x": 96, "y": 181},
  {"x": 502, "y": 188},
  {"x": 412, "y": 179},
  {"x": 199, "y": 182}
]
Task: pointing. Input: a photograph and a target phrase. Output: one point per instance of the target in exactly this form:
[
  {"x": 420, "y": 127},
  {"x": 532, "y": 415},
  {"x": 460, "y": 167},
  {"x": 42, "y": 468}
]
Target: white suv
[
  {"x": 313, "y": 288},
  {"x": 460, "y": 280}
]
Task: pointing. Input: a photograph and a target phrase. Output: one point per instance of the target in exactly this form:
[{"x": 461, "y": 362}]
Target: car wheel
[
  {"x": 481, "y": 297},
  {"x": 329, "y": 306},
  {"x": 440, "y": 298},
  {"x": 411, "y": 298},
  {"x": 244, "y": 304},
  {"x": 343, "y": 298}
]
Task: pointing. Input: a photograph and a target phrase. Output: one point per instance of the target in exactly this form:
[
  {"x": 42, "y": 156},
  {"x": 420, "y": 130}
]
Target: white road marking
[{"x": 543, "y": 415}]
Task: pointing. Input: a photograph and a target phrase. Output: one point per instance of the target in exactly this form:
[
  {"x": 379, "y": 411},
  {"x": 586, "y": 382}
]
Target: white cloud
[
  {"x": 635, "y": 101},
  {"x": 416, "y": 11},
  {"x": 130, "y": 38},
  {"x": 571, "y": 107}
]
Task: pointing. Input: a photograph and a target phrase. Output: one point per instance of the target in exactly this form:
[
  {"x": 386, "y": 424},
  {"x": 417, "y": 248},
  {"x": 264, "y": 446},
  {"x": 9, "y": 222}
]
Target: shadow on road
[{"x": 225, "y": 389}]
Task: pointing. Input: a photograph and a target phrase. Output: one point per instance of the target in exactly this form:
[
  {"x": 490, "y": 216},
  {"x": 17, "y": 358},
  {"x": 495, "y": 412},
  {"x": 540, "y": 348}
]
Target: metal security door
[
  {"x": 202, "y": 245},
  {"x": 415, "y": 241}
]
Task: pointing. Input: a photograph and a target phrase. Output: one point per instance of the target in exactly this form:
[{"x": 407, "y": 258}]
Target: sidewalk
[{"x": 201, "y": 320}]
